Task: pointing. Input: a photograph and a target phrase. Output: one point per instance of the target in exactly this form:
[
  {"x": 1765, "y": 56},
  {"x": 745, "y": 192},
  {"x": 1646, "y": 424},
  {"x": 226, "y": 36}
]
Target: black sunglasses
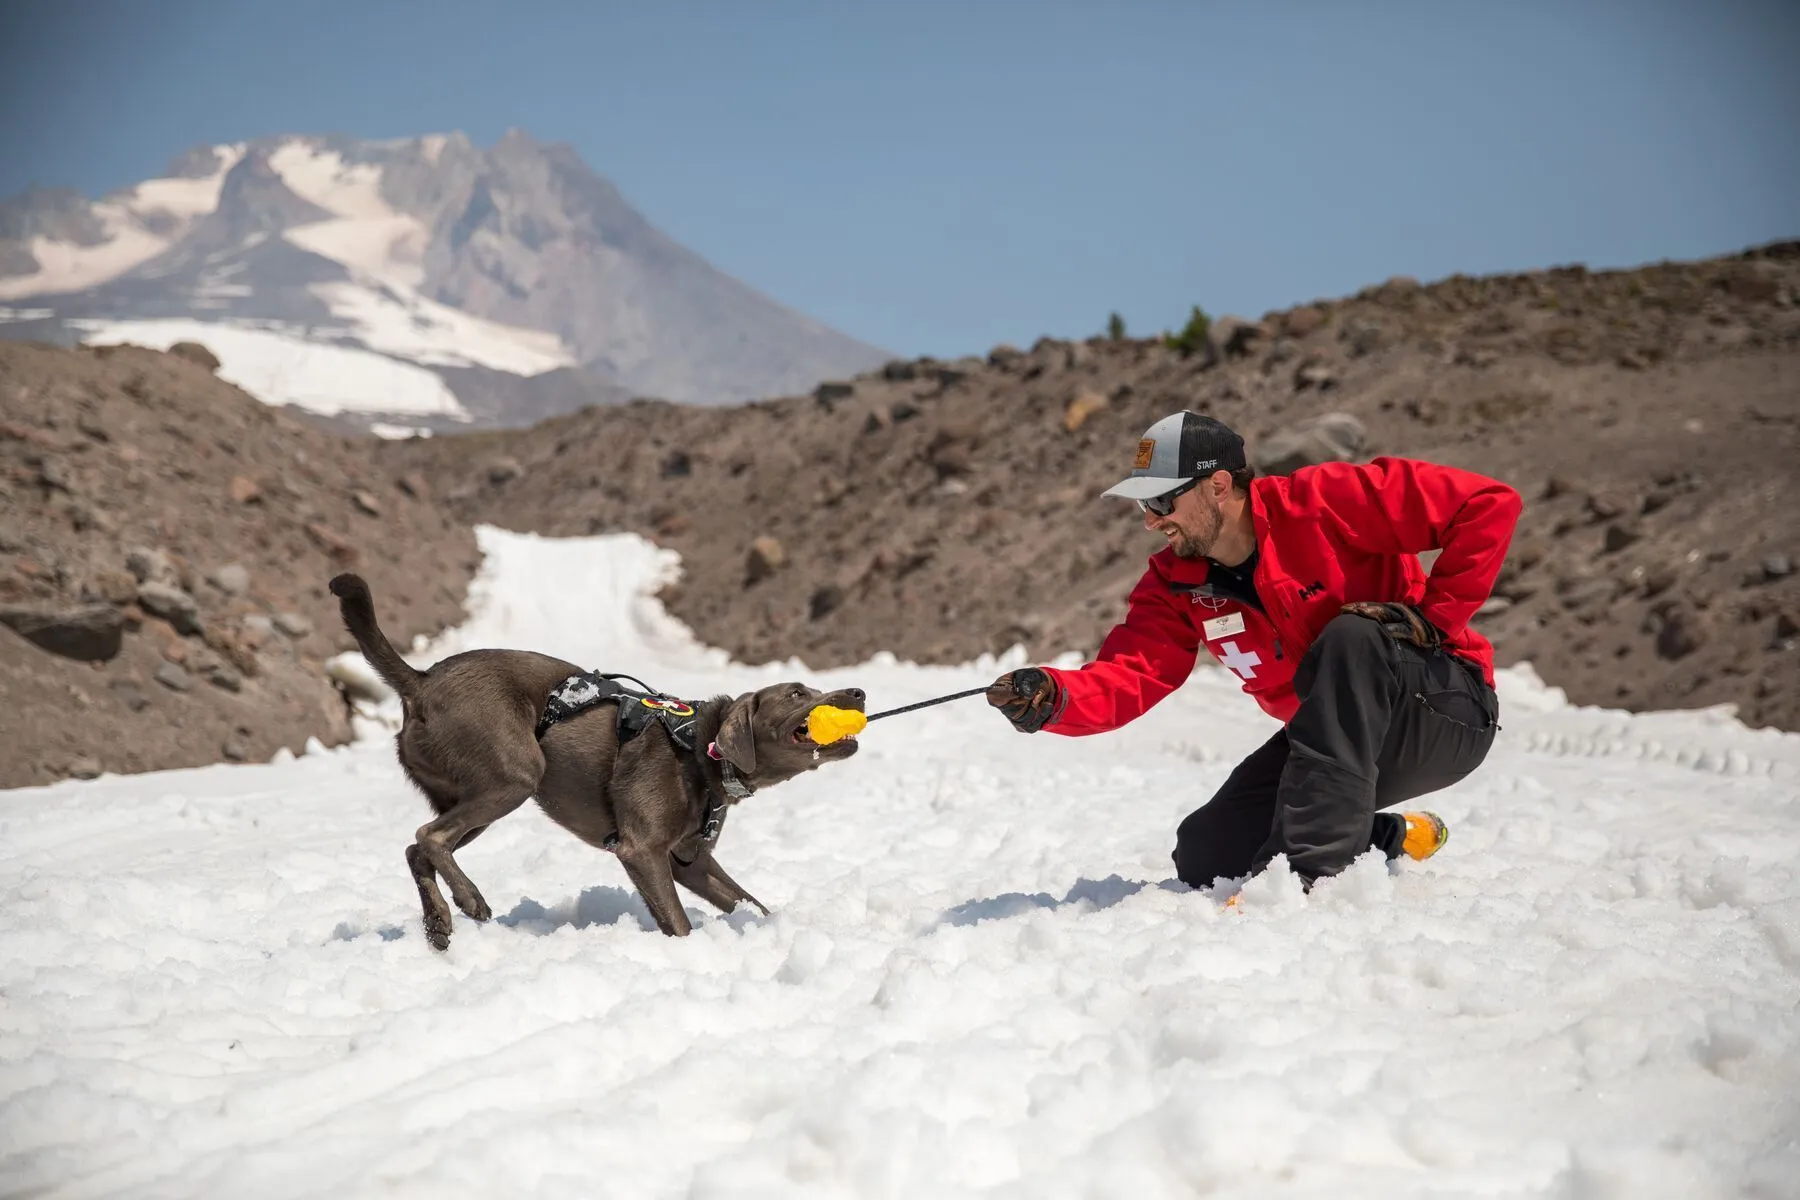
[{"x": 1164, "y": 504}]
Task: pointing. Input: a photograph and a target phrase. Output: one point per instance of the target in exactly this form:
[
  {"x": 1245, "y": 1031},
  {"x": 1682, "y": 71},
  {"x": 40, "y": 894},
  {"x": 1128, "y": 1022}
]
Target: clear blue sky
[{"x": 938, "y": 177}]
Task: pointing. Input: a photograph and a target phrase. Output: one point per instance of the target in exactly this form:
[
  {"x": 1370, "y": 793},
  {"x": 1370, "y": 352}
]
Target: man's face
[{"x": 1193, "y": 527}]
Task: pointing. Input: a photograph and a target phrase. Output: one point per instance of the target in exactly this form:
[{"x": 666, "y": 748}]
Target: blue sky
[{"x": 939, "y": 177}]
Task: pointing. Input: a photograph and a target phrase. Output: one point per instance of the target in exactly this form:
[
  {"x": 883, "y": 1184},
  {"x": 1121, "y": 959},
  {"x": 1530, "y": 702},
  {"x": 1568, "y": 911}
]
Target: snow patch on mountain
[
  {"x": 407, "y": 324},
  {"x": 138, "y": 225},
  {"x": 278, "y": 367}
]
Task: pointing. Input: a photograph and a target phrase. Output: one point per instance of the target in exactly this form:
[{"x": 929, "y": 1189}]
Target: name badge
[{"x": 1223, "y": 626}]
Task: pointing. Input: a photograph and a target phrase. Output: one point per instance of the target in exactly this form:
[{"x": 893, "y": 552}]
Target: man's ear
[{"x": 737, "y": 734}]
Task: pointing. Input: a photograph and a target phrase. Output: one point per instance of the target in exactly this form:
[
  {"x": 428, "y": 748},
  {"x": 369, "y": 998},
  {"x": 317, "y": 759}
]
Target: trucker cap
[{"x": 1176, "y": 450}]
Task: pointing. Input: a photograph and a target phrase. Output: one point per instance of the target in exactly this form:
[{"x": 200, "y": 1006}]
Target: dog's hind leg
[
  {"x": 707, "y": 880},
  {"x": 437, "y": 913},
  {"x": 438, "y": 840}
]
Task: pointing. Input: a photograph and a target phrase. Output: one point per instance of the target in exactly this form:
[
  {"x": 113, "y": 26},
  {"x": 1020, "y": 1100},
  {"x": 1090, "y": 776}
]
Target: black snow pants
[{"x": 1380, "y": 722}]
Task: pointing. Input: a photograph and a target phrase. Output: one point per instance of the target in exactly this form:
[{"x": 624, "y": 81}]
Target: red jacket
[{"x": 1326, "y": 535}]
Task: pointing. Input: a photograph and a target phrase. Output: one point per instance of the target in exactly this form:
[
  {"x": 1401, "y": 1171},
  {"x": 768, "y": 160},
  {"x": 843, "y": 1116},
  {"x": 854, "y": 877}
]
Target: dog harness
[{"x": 637, "y": 711}]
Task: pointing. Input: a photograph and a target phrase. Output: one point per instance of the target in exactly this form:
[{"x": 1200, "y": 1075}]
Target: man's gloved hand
[
  {"x": 1402, "y": 622},
  {"x": 1029, "y": 697}
]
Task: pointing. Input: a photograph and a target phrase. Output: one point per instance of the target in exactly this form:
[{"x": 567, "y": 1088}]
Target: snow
[
  {"x": 407, "y": 324},
  {"x": 280, "y": 368},
  {"x": 187, "y": 198},
  {"x": 978, "y": 978},
  {"x": 67, "y": 267},
  {"x": 384, "y": 251},
  {"x": 368, "y": 234}
]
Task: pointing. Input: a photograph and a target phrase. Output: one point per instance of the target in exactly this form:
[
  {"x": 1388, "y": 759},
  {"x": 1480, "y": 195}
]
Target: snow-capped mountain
[{"x": 422, "y": 281}]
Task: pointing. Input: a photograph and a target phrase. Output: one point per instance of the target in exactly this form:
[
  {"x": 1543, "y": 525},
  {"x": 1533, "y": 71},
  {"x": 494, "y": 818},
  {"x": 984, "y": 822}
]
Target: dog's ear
[{"x": 737, "y": 733}]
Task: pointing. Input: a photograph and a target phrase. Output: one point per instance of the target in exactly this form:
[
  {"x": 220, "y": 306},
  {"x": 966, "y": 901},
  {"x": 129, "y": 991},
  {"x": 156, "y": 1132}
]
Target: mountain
[{"x": 419, "y": 282}]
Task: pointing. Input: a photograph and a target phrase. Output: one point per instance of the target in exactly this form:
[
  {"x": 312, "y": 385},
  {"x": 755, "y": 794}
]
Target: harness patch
[{"x": 637, "y": 710}]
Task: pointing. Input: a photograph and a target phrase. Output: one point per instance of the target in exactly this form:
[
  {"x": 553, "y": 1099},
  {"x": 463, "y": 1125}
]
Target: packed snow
[
  {"x": 138, "y": 224},
  {"x": 978, "y": 977},
  {"x": 366, "y": 232},
  {"x": 408, "y": 325},
  {"x": 279, "y": 367}
]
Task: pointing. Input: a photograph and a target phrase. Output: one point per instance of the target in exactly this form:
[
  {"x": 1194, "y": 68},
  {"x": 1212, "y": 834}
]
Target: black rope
[{"x": 928, "y": 703}]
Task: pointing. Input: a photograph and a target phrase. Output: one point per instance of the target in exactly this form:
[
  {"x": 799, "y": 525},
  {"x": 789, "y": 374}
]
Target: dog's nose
[{"x": 854, "y": 693}]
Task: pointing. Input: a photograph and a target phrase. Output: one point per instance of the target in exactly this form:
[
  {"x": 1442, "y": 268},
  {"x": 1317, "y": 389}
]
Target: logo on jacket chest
[
  {"x": 1222, "y": 627},
  {"x": 1312, "y": 589}
]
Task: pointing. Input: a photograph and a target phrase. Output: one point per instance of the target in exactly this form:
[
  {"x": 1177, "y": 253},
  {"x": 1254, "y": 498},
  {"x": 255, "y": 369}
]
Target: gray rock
[
  {"x": 766, "y": 556},
  {"x": 1681, "y": 634},
  {"x": 85, "y": 767},
  {"x": 291, "y": 623},
  {"x": 1229, "y": 337},
  {"x": 236, "y": 747},
  {"x": 173, "y": 605},
  {"x": 88, "y": 633},
  {"x": 233, "y": 579},
  {"x": 225, "y": 677},
  {"x": 131, "y": 695},
  {"x": 504, "y": 470},
  {"x": 173, "y": 677},
  {"x": 149, "y": 566},
  {"x": 194, "y": 352},
  {"x": 1621, "y": 534},
  {"x": 1330, "y": 437},
  {"x": 1777, "y": 566}
]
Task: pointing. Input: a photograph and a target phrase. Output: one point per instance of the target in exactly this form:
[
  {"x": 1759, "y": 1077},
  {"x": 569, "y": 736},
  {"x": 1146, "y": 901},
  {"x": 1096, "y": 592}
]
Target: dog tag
[{"x": 1223, "y": 626}]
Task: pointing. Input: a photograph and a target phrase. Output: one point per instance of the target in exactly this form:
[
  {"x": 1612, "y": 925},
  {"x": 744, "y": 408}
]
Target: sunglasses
[{"x": 1164, "y": 504}]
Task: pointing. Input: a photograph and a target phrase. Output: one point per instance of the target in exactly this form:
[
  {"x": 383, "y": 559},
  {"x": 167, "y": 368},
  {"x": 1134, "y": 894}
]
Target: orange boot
[{"x": 1426, "y": 834}]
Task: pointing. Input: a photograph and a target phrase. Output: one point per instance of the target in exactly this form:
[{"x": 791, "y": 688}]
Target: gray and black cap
[{"x": 1177, "y": 450}]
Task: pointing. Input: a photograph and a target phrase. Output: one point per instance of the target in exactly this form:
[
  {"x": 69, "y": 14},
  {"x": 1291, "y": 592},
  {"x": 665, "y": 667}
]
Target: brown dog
[{"x": 469, "y": 741}]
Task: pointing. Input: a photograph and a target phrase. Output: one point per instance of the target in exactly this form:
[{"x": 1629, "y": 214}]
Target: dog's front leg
[
  {"x": 650, "y": 872},
  {"x": 729, "y": 884},
  {"x": 703, "y": 878}
]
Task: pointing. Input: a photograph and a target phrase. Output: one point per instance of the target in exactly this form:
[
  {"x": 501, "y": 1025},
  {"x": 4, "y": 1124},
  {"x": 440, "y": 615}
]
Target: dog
[{"x": 470, "y": 742}]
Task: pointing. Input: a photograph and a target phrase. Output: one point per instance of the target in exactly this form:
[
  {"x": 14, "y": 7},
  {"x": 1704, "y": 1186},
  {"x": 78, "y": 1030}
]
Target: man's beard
[{"x": 1199, "y": 544}]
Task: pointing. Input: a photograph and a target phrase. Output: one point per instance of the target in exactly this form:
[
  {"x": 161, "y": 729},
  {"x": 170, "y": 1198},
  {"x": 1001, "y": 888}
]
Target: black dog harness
[{"x": 637, "y": 711}]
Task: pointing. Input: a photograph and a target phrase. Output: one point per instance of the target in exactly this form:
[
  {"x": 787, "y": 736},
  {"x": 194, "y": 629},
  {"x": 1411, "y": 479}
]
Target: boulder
[
  {"x": 86, "y": 633},
  {"x": 1331, "y": 437}
]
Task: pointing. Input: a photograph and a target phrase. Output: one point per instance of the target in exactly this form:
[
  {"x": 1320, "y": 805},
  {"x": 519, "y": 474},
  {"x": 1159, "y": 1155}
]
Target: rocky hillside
[
  {"x": 165, "y": 539},
  {"x": 1651, "y": 418},
  {"x": 164, "y": 545}
]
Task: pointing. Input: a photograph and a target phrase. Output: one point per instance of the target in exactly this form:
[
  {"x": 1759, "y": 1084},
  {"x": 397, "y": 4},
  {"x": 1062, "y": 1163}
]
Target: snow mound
[{"x": 978, "y": 979}]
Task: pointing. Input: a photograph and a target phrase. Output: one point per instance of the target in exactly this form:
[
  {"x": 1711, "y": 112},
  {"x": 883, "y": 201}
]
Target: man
[{"x": 1309, "y": 589}]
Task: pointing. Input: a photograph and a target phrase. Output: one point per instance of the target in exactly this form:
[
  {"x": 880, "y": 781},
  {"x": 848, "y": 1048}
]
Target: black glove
[
  {"x": 1402, "y": 622},
  {"x": 1029, "y": 697}
]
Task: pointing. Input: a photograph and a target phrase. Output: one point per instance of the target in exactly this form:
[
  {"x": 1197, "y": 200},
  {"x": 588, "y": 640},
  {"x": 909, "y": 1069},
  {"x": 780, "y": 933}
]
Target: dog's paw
[
  {"x": 474, "y": 907},
  {"x": 437, "y": 932}
]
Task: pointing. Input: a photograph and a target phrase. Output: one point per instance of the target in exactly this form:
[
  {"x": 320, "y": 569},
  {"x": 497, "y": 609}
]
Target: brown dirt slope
[
  {"x": 1650, "y": 417},
  {"x": 169, "y": 539}
]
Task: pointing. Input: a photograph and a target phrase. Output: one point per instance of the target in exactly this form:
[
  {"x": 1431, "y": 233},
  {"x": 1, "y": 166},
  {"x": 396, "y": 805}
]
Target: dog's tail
[{"x": 358, "y": 609}]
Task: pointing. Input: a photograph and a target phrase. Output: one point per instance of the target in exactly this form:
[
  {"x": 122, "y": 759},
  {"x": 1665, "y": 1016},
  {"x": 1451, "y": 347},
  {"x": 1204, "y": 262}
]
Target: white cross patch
[{"x": 1243, "y": 663}]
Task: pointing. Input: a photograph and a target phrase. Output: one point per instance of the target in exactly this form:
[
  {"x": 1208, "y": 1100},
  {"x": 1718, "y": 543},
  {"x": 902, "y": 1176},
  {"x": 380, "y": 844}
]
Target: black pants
[{"x": 1380, "y": 722}]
